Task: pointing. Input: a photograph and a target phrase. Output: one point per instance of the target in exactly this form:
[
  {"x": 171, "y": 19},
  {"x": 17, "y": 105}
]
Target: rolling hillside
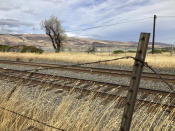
[{"x": 72, "y": 43}]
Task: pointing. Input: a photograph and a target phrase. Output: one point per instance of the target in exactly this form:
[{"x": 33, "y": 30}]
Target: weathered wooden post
[{"x": 134, "y": 82}]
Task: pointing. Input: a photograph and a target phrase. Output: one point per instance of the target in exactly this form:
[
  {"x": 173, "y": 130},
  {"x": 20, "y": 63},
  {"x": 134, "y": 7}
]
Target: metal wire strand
[
  {"x": 102, "y": 61},
  {"x": 29, "y": 118},
  {"x": 160, "y": 77},
  {"x": 126, "y": 57},
  {"x": 80, "y": 64},
  {"x": 153, "y": 70}
]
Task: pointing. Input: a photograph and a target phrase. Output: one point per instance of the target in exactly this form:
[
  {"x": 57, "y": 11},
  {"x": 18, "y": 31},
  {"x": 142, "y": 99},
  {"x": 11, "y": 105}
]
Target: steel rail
[
  {"x": 114, "y": 85},
  {"x": 113, "y": 72},
  {"x": 88, "y": 91}
]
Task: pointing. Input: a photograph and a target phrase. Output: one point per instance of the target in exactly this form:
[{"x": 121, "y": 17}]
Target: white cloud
[
  {"x": 78, "y": 14},
  {"x": 70, "y": 34}
]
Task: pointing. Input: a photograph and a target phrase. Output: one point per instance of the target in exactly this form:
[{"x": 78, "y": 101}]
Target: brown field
[
  {"x": 156, "y": 60},
  {"x": 85, "y": 114}
]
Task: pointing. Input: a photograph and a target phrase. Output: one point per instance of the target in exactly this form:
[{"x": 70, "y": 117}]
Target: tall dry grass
[
  {"x": 70, "y": 111},
  {"x": 156, "y": 60},
  {"x": 76, "y": 113}
]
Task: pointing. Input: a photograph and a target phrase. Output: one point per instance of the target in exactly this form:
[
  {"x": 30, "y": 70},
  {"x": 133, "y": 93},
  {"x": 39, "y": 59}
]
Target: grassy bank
[
  {"x": 75, "y": 113},
  {"x": 157, "y": 60}
]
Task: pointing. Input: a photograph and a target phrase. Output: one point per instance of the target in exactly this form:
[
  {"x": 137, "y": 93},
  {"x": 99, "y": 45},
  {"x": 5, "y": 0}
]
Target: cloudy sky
[{"x": 127, "y": 17}]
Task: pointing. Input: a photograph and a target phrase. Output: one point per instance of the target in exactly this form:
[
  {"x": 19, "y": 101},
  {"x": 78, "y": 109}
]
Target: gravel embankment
[
  {"x": 49, "y": 100},
  {"x": 32, "y": 96},
  {"x": 103, "y": 78}
]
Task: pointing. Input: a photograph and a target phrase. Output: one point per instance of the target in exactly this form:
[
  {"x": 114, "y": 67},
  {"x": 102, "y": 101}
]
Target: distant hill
[{"x": 73, "y": 43}]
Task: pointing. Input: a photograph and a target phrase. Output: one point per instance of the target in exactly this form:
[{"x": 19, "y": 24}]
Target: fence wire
[
  {"x": 29, "y": 118},
  {"x": 81, "y": 64},
  {"x": 145, "y": 64}
]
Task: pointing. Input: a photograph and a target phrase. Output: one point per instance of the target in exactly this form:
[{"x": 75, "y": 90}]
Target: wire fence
[
  {"x": 29, "y": 118},
  {"x": 110, "y": 60},
  {"x": 95, "y": 62}
]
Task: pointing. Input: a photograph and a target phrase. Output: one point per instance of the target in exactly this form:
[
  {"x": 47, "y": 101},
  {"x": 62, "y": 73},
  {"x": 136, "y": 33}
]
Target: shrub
[
  {"x": 5, "y": 48},
  {"x": 118, "y": 51},
  {"x": 165, "y": 50},
  {"x": 156, "y": 51},
  {"x": 31, "y": 49},
  {"x": 91, "y": 50},
  {"x": 131, "y": 51}
]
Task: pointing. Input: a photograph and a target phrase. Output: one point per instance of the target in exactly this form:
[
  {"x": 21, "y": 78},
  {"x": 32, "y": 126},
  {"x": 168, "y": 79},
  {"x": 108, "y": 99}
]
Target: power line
[
  {"x": 168, "y": 16},
  {"x": 107, "y": 25}
]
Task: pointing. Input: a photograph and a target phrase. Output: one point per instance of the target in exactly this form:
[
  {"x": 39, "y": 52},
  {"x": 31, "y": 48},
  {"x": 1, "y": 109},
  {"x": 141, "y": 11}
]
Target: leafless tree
[{"x": 56, "y": 33}]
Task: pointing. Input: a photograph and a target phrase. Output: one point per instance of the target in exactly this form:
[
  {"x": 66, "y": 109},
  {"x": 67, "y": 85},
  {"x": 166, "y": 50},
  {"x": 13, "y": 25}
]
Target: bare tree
[{"x": 56, "y": 33}]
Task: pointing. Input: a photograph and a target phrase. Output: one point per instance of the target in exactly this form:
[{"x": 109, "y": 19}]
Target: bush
[
  {"x": 165, "y": 50},
  {"x": 5, "y": 48},
  {"x": 22, "y": 49},
  {"x": 156, "y": 51},
  {"x": 131, "y": 51},
  {"x": 118, "y": 52},
  {"x": 91, "y": 50},
  {"x": 31, "y": 49}
]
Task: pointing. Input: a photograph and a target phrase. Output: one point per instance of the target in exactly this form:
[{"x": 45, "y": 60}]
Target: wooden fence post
[{"x": 135, "y": 81}]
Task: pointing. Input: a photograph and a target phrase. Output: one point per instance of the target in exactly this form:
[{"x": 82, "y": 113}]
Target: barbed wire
[
  {"x": 103, "y": 61},
  {"x": 153, "y": 70},
  {"x": 81, "y": 64},
  {"x": 160, "y": 77},
  {"x": 29, "y": 118},
  {"x": 110, "y": 60},
  {"x": 88, "y": 63},
  {"x": 35, "y": 70},
  {"x": 145, "y": 64}
]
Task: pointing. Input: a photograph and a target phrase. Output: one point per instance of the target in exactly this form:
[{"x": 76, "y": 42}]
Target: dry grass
[
  {"x": 156, "y": 60},
  {"x": 72, "y": 114}
]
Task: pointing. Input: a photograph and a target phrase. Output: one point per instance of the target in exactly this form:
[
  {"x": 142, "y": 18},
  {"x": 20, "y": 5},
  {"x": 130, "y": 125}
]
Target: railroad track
[
  {"x": 86, "y": 87},
  {"x": 113, "y": 72}
]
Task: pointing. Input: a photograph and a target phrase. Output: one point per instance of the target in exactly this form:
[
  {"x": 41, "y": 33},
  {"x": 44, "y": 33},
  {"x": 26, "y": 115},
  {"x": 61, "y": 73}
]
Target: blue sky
[{"x": 128, "y": 17}]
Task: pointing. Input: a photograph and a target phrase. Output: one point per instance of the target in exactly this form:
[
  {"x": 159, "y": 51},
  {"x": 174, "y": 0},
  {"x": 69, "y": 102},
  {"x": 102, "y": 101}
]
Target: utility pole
[
  {"x": 171, "y": 50},
  {"x": 135, "y": 81},
  {"x": 154, "y": 27}
]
